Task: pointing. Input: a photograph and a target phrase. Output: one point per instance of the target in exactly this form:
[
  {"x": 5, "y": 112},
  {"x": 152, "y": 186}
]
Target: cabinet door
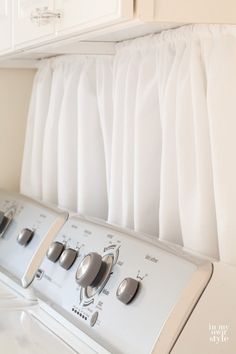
[
  {"x": 33, "y": 20},
  {"x": 5, "y": 25},
  {"x": 86, "y": 15}
]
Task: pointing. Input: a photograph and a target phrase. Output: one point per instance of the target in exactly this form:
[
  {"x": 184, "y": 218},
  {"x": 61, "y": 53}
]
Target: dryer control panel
[
  {"x": 27, "y": 228},
  {"x": 118, "y": 287}
]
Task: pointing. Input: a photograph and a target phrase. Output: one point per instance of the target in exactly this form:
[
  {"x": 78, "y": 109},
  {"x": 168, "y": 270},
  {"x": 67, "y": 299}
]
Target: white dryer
[
  {"x": 27, "y": 227},
  {"x": 103, "y": 289}
]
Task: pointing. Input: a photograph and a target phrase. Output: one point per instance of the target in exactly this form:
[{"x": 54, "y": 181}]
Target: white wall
[
  {"x": 195, "y": 11},
  {"x": 15, "y": 90}
]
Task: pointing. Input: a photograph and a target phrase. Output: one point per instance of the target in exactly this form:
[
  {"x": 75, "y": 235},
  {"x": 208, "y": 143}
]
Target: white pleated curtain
[
  {"x": 67, "y": 156},
  {"x": 146, "y": 140}
]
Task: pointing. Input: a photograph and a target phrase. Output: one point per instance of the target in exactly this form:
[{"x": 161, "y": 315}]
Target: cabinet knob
[{"x": 43, "y": 16}]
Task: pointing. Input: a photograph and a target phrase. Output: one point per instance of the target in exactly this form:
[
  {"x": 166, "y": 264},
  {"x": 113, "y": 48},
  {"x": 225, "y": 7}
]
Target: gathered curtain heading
[{"x": 145, "y": 139}]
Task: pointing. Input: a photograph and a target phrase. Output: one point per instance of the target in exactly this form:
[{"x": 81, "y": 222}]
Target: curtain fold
[
  {"x": 67, "y": 138},
  {"x": 92, "y": 177},
  {"x": 31, "y": 178},
  {"x": 136, "y": 144},
  {"x": 169, "y": 58},
  {"x": 68, "y": 141},
  {"x": 50, "y": 146},
  {"x": 144, "y": 139}
]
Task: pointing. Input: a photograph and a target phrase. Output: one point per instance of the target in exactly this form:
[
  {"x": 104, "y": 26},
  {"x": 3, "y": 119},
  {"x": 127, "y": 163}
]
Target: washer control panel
[
  {"x": 116, "y": 286},
  {"x": 26, "y": 230}
]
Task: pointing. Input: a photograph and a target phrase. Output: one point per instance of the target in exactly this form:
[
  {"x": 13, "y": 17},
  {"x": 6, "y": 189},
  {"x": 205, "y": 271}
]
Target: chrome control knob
[
  {"x": 127, "y": 290},
  {"x": 88, "y": 269},
  {"x": 25, "y": 236},
  {"x": 5, "y": 220},
  {"x": 2, "y": 215},
  {"x": 68, "y": 258},
  {"x": 55, "y": 250}
]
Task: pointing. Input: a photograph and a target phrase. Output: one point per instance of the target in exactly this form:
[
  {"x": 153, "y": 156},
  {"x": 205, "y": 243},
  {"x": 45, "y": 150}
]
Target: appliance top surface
[
  {"x": 118, "y": 289},
  {"x": 22, "y": 333}
]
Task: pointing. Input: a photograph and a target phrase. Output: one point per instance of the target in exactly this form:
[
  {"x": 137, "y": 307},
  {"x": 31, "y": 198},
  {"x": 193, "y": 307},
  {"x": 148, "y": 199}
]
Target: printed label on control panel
[{"x": 151, "y": 258}]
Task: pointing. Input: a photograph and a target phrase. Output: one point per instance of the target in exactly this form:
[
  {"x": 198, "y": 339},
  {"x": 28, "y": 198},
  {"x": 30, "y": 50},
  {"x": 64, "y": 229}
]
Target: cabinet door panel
[
  {"x": 5, "y": 25},
  {"x": 83, "y": 15},
  {"x": 28, "y": 21}
]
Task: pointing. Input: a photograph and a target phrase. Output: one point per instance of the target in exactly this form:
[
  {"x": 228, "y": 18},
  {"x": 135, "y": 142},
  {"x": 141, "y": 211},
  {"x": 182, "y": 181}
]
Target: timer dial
[
  {"x": 127, "y": 290},
  {"x": 88, "y": 269}
]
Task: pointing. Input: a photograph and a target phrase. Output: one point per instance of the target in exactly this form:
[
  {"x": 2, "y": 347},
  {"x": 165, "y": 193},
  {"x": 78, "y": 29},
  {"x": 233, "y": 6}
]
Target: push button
[{"x": 94, "y": 318}]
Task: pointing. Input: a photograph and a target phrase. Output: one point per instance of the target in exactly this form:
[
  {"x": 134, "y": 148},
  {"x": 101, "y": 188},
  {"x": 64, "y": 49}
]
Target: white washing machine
[
  {"x": 26, "y": 230},
  {"x": 102, "y": 289}
]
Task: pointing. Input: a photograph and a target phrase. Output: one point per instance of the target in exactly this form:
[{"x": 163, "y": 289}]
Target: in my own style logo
[{"x": 218, "y": 333}]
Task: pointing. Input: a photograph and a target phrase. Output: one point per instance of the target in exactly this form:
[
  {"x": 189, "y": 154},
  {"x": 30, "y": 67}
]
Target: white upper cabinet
[
  {"x": 50, "y": 27},
  {"x": 33, "y": 19},
  {"x": 5, "y": 25},
  {"x": 83, "y": 15},
  {"x": 40, "y": 20}
]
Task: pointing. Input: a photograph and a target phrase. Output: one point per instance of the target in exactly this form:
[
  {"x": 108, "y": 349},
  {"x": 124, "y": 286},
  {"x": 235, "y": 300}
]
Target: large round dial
[
  {"x": 25, "y": 236},
  {"x": 127, "y": 290},
  {"x": 55, "y": 250},
  {"x": 88, "y": 269}
]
